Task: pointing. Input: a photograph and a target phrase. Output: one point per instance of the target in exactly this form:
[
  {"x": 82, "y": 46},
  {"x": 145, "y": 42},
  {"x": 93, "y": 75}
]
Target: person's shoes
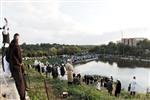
[{"x": 4, "y": 95}]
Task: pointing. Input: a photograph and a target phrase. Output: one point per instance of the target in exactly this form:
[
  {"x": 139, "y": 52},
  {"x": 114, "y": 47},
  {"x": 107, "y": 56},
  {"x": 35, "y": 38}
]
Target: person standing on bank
[
  {"x": 133, "y": 86},
  {"x": 118, "y": 88},
  {"x": 110, "y": 86},
  {"x": 69, "y": 69},
  {"x": 17, "y": 65}
]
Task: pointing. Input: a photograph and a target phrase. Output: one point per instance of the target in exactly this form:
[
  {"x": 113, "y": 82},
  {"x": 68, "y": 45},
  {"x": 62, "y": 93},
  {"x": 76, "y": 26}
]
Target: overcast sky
[{"x": 76, "y": 21}]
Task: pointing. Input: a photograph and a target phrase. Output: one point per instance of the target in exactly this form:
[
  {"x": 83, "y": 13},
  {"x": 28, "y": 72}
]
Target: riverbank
[
  {"x": 120, "y": 69},
  {"x": 121, "y": 57},
  {"x": 89, "y": 92},
  {"x": 81, "y": 59},
  {"x": 76, "y": 92},
  {"x": 63, "y": 59}
]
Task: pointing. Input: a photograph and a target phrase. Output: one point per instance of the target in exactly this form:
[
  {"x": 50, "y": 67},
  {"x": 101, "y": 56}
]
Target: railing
[
  {"x": 0, "y": 59},
  {"x": 46, "y": 88}
]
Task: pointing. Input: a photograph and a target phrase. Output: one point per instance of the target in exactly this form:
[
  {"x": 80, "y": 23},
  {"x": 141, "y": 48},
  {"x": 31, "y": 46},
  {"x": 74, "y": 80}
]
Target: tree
[{"x": 52, "y": 51}]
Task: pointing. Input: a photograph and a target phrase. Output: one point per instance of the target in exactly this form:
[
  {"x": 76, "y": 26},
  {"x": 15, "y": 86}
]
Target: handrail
[{"x": 46, "y": 89}]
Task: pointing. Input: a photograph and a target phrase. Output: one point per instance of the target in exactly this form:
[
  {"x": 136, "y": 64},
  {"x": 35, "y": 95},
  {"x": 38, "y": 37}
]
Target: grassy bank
[
  {"x": 76, "y": 92},
  {"x": 36, "y": 85},
  {"x": 89, "y": 92}
]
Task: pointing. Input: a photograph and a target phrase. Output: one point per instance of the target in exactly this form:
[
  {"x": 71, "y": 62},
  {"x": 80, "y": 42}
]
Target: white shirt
[
  {"x": 133, "y": 85},
  {"x": 6, "y": 67},
  {"x": 98, "y": 86}
]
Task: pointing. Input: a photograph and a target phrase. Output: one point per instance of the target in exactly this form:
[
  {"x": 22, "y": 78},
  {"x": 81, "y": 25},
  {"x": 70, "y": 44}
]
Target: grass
[
  {"x": 89, "y": 92},
  {"x": 76, "y": 92},
  {"x": 35, "y": 82},
  {"x": 37, "y": 87}
]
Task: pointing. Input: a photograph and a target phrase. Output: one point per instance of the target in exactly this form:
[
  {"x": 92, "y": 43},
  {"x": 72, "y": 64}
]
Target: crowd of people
[
  {"x": 103, "y": 82},
  {"x": 61, "y": 71},
  {"x": 66, "y": 72}
]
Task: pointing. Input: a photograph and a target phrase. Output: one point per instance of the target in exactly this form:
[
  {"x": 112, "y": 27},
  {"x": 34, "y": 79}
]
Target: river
[{"x": 123, "y": 73}]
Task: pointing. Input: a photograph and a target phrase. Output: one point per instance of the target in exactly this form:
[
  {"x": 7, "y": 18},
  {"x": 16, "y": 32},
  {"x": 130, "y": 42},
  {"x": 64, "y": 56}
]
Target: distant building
[{"x": 131, "y": 41}]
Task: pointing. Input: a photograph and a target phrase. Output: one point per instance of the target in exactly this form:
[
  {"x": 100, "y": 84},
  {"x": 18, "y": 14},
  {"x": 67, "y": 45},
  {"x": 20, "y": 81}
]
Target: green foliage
[
  {"x": 37, "y": 91},
  {"x": 50, "y": 49},
  {"x": 142, "y": 49}
]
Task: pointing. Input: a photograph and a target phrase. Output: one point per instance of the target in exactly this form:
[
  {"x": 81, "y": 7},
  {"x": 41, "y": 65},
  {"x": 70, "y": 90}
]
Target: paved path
[{"x": 10, "y": 90}]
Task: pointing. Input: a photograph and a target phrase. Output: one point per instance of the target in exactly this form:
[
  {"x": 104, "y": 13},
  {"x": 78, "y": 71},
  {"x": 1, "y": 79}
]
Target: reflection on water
[
  {"x": 122, "y": 70},
  {"x": 126, "y": 63}
]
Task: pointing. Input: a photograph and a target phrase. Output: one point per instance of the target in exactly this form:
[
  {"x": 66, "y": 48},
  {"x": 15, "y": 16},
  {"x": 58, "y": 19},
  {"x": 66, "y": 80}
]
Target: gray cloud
[{"x": 54, "y": 22}]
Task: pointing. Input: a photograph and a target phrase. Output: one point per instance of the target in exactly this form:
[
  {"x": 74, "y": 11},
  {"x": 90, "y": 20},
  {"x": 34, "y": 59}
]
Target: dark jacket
[
  {"x": 16, "y": 65},
  {"x": 118, "y": 87},
  {"x": 109, "y": 85},
  {"x": 16, "y": 55}
]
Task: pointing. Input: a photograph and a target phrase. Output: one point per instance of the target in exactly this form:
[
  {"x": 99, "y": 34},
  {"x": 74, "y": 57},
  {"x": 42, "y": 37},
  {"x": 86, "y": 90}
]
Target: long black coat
[
  {"x": 118, "y": 87},
  {"x": 16, "y": 64}
]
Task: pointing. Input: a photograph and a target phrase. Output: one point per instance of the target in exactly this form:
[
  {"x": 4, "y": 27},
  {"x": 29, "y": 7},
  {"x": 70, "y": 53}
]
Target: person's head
[
  {"x": 69, "y": 61},
  {"x": 118, "y": 81},
  {"x": 134, "y": 77},
  {"x": 16, "y": 37},
  {"x": 74, "y": 75},
  {"x": 111, "y": 77}
]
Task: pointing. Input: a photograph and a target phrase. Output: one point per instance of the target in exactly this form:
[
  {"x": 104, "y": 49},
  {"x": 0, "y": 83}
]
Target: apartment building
[{"x": 131, "y": 41}]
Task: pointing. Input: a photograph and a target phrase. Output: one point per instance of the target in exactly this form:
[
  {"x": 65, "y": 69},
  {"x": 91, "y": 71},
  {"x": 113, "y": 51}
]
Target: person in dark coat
[
  {"x": 62, "y": 70},
  {"x": 39, "y": 68},
  {"x": 84, "y": 78},
  {"x": 43, "y": 69},
  {"x": 17, "y": 66},
  {"x": 102, "y": 81},
  {"x": 54, "y": 72},
  {"x": 88, "y": 79},
  {"x": 48, "y": 70},
  {"x": 118, "y": 88},
  {"x": 91, "y": 79},
  {"x": 110, "y": 87},
  {"x": 76, "y": 80},
  {"x": 129, "y": 87}
]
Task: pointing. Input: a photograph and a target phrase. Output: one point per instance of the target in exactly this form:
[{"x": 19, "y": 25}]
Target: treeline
[
  {"x": 46, "y": 49},
  {"x": 142, "y": 49}
]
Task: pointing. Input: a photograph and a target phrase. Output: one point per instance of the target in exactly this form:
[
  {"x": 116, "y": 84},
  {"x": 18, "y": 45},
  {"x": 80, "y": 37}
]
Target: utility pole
[{"x": 123, "y": 43}]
